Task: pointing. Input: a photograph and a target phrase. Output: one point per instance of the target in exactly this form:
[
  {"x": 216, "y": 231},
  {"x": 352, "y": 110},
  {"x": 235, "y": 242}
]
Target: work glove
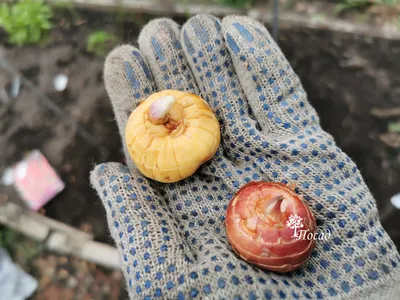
[{"x": 172, "y": 238}]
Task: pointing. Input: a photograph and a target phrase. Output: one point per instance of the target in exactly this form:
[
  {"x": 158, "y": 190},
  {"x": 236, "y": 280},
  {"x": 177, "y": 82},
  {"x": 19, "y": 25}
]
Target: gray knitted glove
[{"x": 172, "y": 237}]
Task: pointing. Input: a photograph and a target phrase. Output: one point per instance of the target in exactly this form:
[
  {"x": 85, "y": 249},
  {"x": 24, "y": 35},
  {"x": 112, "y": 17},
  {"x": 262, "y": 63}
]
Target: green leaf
[
  {"x": 99, "y": 42},
  {"x": 19, "y": 37},
  {"x": 340, "y": 7},
  {"x": 394, "y": 127},
  {"x": 4, "y": 15},
  {"x": 351, "y": 4},
  {"x": 237, "y": 3},
  {"x": 387, "y": 2},
  {"x": 25, "y": 21},
  {"x": 46, "y": 25},
  {"x": 34, "y": 35}
]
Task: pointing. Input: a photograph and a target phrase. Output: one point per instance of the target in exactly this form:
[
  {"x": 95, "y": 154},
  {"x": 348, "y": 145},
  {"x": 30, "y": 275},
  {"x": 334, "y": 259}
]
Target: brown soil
[
  {"x": 345, "y": 77},
  {"x": 69, "y": 278},
  {"x": 377, "y": 15},
  {"x": 28, "y": 124}
]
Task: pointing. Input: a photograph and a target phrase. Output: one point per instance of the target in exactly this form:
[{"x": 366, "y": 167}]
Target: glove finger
[
  {"x": 212, "y": 66},
  {"x": 159, "y": 43},
  {"x": 275, "y": 93},
  {"x": 128, "y": 81},
  {"x": 143, "y": 229}
]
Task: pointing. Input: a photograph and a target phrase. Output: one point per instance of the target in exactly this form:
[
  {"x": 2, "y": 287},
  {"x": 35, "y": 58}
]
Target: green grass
[
  {"x": 232, "y": 3},
  {"x": 394, "y": 127},
  {"x": 362, "y": 4},
  {"x": 26, "y": 21},
  {"x": 237, "y": 3},
  {"x": 22, "y": 249},
  {"x": 99, "y": 42}
]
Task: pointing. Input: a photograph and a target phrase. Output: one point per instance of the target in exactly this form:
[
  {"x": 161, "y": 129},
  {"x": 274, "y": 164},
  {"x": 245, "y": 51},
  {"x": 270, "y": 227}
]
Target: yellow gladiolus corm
[{"x": 170, "y": 134}]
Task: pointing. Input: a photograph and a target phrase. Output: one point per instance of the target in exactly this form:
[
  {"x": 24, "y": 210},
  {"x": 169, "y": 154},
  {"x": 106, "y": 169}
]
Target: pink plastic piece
[{"x": 36, "y": 181}]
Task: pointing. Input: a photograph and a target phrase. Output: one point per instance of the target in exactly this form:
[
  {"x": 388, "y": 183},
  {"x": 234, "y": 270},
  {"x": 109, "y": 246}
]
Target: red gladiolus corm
[{"x": 263, "y": 223}]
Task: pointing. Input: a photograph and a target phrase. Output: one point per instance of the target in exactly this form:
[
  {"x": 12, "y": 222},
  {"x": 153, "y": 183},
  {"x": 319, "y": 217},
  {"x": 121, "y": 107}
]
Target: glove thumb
[{"x": 142, "y": 227}]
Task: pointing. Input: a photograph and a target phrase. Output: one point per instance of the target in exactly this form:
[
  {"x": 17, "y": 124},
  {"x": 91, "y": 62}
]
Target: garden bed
[
  {"x": 345, "y": 74},
  {"x": 28, "y": 124}
]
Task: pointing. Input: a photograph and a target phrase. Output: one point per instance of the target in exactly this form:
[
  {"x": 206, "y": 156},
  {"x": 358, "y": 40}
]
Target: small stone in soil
[{"x": 63, "y": 274}]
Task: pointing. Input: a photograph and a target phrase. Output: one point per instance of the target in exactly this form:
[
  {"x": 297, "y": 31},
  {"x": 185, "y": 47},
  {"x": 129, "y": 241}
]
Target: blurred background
[{"x": 56, "y": 121}]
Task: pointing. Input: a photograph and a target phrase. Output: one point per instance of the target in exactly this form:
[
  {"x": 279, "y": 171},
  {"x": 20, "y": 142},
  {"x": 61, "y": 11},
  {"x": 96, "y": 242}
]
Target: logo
[{"x": 295, "y": 222}]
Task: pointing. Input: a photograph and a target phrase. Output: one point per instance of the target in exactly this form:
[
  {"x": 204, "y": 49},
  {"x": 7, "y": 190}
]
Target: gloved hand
[{"x": 172, "y": 237}]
